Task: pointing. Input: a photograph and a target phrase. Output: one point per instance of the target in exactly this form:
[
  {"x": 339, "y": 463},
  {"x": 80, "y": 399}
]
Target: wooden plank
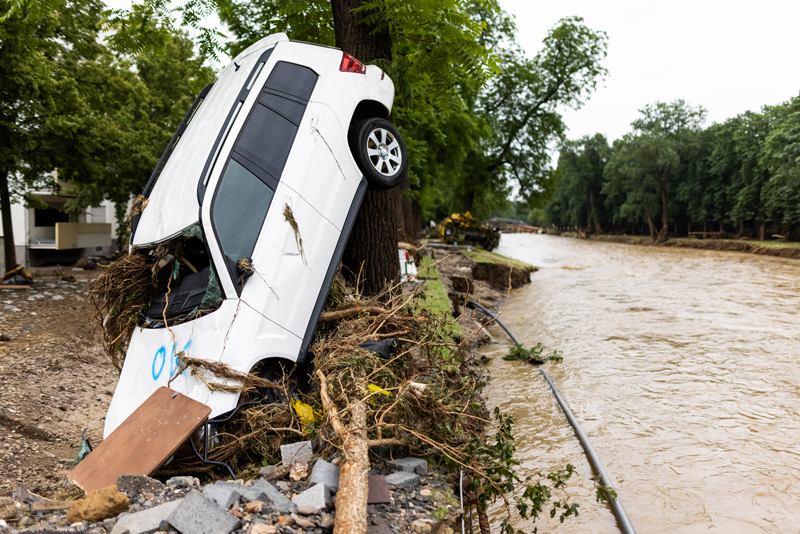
[
  {"x": 14, "y": 287},
  {"x": 144, "y": 441},
  {"x": 49, "y": 506}
]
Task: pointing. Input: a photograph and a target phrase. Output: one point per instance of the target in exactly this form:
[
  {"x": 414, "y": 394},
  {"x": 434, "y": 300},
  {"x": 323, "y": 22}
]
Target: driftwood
[
  {"x": 338, "y": 315},
  {"x": 351, "y": 498}
]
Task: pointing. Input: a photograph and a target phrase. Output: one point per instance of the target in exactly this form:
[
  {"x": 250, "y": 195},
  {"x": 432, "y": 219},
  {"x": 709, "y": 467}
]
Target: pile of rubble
[{"x": 294, "y": 498}]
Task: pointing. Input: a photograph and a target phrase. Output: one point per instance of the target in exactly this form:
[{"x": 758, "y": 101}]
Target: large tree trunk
[
  {"x": 371, "y": 251},
  {"x": 409, "y": 214},
  {"x": 469, "y": 199},
  {"x": 8, "y": 230}
]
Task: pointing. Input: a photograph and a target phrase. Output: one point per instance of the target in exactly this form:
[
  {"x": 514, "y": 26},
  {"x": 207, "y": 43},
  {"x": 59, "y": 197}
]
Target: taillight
[{"x": 351, "y": 64}]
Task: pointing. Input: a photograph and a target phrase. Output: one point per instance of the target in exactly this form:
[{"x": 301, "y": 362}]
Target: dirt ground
[{"x": 55, "y": 380}]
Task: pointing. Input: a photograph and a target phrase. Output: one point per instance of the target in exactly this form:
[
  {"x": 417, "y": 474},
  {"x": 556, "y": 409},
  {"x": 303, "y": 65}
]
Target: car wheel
[{"x": 381, "y": 154}]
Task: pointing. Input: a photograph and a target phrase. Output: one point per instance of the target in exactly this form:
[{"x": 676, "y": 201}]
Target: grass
[
  {"x": 435, "y": 295},
  {"x": 482, "y": 256},
  {"x": 427, "y": 271}
]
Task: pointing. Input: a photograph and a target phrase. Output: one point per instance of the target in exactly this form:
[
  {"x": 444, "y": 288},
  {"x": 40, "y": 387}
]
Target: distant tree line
[{"x": 670, "y": 176}]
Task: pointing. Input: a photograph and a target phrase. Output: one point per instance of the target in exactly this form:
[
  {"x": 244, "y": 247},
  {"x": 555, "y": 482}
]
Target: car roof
[{"x": 173, "y": 199}]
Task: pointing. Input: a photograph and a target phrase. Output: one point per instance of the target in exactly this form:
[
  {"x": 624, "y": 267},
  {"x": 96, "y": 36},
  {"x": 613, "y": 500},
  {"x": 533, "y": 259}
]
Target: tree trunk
[
  {"x": 740, "y": 233},
  {"x": 409, "y": 213},
  {"x": 351, "y": 499},
  {"x": 652, "y": 226},
  {"x": 762, "y": 232},
  {"x": 469, "y": 199},
  {"x": 721, "y": 227},
  {"x": 597, "y": 229},
  {"x": 662, "y": 235},
  {"x": 8, "y": 231},
  {"x": 371, "y": 251},
  {"x": 689, "y": 228}
]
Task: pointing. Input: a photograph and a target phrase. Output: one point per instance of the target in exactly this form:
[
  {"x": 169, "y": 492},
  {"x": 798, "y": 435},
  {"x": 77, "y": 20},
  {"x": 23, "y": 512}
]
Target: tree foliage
[
  {"x": 737, "y": 178},
  {"x": 69, "y": 104}
]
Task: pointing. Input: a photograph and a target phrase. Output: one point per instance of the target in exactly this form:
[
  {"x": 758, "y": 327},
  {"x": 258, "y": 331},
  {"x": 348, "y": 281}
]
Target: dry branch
[{"x": 338, "y": 315}]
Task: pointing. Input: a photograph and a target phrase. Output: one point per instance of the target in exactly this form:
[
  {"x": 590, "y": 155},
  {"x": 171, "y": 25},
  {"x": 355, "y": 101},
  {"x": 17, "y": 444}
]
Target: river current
[{"x": 682, "y": 367}]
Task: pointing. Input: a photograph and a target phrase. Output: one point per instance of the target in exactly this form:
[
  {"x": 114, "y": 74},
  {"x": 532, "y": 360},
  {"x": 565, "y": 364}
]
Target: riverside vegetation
[{"x": 671, "y": 177}]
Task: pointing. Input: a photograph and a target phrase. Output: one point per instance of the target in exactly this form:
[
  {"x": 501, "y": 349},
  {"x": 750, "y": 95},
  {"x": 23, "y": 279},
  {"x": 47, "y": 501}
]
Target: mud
[
  {"x": 708, "y": 244},
  {"x": 54, "y": 381}
]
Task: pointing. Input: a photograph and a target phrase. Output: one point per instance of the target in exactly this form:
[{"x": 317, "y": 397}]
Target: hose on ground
[{"x": 605, "y": 479}]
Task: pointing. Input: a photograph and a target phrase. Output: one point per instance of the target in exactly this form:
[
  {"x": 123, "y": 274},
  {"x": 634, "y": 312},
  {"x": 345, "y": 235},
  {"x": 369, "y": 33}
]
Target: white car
[{"x": 290, "y": 132}]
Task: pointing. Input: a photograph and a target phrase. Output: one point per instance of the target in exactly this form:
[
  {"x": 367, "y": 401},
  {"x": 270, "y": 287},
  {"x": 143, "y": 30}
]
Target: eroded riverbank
[{"x": 680, "y": 365}]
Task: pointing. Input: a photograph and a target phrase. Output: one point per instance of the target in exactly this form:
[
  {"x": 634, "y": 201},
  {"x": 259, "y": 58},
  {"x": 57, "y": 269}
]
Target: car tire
[{"x": 381, "y": 154}]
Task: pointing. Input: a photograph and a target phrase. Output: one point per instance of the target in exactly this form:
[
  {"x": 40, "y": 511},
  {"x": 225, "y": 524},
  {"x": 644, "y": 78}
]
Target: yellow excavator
[{"x": 463, "y": 229}]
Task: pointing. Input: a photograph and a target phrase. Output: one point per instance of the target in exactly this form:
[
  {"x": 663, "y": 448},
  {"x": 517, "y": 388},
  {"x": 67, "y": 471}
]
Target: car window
[
  {"x": 269, "y": 133},
  {"x": 267, "y": 139},
  {"x": 290, "y": 109},
  {"x": 292, "y": 79},
  {"x": 239, "y": 209}
]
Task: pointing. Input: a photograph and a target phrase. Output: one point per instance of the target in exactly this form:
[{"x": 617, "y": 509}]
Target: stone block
[
  {"x": 296, "y": 452},
  {"x": 180, "y": 482},
  {"x": 138, "y": 484},
  {"x": 401, "y": 479},
  {"x": 378, "y": 490},
  {"x": 267, "y": 471},
  {"x": 409, "y": 465},
  {"x": 325, "y": 473},
  {"x": 223, "y": 493},
  {"x": 269, "y": 494},
  {"x": 317, "y": 496},
  {"x": 197, "y": 515},
  {"x": 145, "y": 522}
]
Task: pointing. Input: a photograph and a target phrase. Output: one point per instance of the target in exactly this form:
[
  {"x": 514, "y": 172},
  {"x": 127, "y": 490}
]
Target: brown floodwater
[{"x": 682, "y": 367}]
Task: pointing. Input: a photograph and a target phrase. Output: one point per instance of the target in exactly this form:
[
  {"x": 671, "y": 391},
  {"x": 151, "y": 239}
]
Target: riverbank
[{"x": 779, "y": 249}]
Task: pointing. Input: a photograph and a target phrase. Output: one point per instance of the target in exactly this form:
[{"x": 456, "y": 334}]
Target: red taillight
[{"x": 351, "y": 64}]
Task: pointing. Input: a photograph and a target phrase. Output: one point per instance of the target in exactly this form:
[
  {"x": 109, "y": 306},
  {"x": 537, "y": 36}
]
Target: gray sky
[{"x": 728, "y": 56}]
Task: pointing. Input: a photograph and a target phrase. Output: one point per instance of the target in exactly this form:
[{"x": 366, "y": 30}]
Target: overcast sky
[{"x": 728, "y": 56}]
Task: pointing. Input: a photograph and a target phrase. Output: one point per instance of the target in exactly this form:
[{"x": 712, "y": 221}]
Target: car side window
[
  {"x": 267, "y": 138},
  {"x": 239, "y": 209},
  {"x": 294, "y": 80},
  {"x": 254, "y": 169}
]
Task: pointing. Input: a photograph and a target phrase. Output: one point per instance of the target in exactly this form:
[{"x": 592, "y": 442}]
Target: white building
[{"x": 50, "y": 236}]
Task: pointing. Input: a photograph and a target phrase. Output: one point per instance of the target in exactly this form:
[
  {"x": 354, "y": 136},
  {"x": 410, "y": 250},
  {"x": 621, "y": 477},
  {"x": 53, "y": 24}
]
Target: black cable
[{"x": 615, "y": 503}]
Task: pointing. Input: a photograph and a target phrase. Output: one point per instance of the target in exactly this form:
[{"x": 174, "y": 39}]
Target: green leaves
[{"x": 534, "y": 355}]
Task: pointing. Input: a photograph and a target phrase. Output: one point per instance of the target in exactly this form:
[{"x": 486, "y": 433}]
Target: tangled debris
[
  {"x": 136, "y": 290},
  {"x": 423, "y": 398},
  {"x": 120, "y": 294}
]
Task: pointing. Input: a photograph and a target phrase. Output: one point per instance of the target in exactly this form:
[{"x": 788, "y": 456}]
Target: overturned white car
[{"x": 268, "y": 169}]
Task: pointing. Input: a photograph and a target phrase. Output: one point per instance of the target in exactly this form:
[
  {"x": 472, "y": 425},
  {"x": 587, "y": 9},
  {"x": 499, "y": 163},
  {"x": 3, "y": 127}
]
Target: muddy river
[{"x": 682, "y": 367}]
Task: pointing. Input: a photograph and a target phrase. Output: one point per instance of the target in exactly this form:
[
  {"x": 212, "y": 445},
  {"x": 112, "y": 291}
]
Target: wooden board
[
  {"x": 14, "y": 287},
  {"x": 144, "y": 441}
]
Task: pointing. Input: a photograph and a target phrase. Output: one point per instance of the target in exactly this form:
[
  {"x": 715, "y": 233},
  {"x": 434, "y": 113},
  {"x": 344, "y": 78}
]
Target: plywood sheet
[{"x": 144, "y": 441}]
